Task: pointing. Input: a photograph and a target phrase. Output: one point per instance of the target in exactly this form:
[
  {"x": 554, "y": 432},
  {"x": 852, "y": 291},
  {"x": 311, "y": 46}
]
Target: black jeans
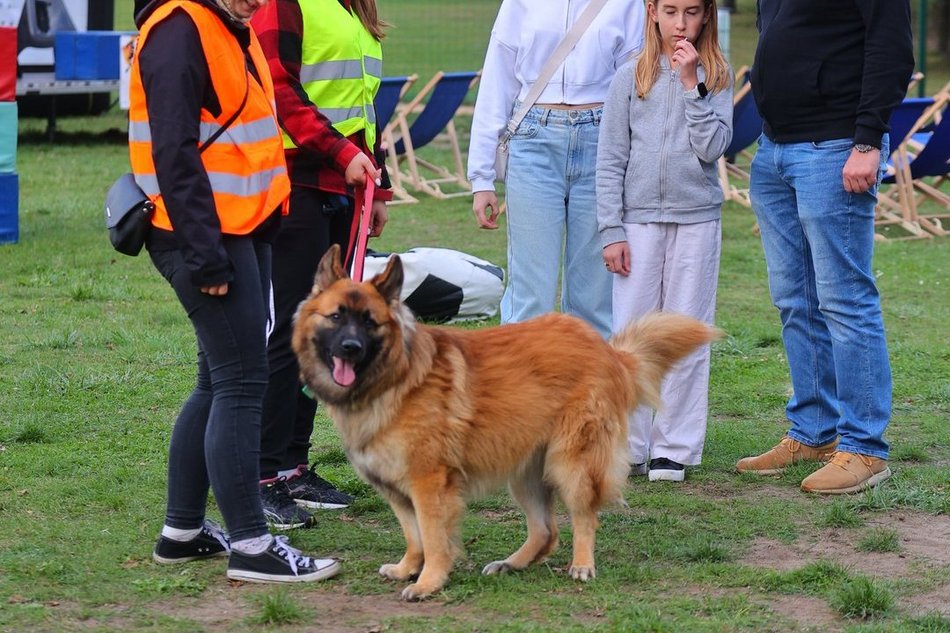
[
  {"x": 216, "y": 438},
  {"x": 315, "y": 222}
]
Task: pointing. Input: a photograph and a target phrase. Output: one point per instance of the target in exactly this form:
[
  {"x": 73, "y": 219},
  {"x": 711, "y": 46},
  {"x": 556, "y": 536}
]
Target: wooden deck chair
[
  {"x": 746, "y": 128},
  {"x": 920, "y": 176},
  {"x": 391, "y": 91},
  {"x": 443, "y": 95},
  {"x": 891, "y": 207}
]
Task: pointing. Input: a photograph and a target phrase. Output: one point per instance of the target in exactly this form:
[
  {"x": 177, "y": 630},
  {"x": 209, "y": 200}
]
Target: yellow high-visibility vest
[{"x": 341, "y": 68}]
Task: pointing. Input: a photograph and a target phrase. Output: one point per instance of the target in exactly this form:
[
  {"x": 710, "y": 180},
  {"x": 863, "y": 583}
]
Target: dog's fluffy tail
[{"x": 656, "y": 342}]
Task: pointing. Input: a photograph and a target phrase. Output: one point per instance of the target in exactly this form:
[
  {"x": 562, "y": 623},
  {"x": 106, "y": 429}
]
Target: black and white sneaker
[
  {"x": 280, "y": 510},
  {"x": 638, "y": 470},
  {"x": 280, "y": 563},
  {"x": 212, "y": 541},
  {"x": 310, "y": 490},
  {"x": 663, "y": 469}
]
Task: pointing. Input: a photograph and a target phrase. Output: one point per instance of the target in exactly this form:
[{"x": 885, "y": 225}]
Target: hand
[
  {"x": 378, "y": 218},
  {"x": 686, "y": 57},
  {"x": 617, "y": 258},
  {"x": 860, "y": 171},
  {"x": 482, "y": 202},
  {"x": 359, "y": 168},
  {"x": 216, "y": 291}
]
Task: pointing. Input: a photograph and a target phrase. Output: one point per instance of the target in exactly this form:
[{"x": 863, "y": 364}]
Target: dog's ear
[
  {"x": 329, "y": 270},
  {"x": 389, "y": 282}
]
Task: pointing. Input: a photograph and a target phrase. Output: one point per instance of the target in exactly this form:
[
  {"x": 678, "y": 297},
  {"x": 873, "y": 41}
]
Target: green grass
[
  {"x": 96, "y": 358},
  {"x": 880, "y": 540}
]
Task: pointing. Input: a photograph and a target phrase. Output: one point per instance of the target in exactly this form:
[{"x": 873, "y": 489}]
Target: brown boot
[
  {"x": 784, "y": 454},
  {"x": 847, "y": 472}
]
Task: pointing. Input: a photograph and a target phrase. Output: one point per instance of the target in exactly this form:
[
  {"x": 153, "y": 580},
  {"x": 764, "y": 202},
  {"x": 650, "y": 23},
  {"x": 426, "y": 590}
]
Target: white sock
[
  {"x": 253, "y": 546},
  {"x": 182, "y": 536},
  {"x": 288, "y": 474}
]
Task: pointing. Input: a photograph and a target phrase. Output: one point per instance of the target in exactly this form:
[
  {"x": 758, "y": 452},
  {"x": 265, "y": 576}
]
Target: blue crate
[
  {"x": 9, "y": 208},
  {"x": 87, "y": 54}
]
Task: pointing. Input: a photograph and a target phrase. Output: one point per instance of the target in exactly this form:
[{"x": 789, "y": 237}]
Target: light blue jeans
[
  {"x": 552, "y": 207},
  {"x": 819, "y": 243}
]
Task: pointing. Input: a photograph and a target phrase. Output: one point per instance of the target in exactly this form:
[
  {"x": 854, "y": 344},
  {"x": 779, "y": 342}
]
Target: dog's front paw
[
  {"x": 397, "y": 572},
  {"x": 582, "y": 573},
  {"x": 417, "y": 591},
  {"x": 497, "y": 567}
]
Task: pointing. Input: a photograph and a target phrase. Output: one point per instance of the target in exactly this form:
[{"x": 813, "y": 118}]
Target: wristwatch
[
  {"x": 863, "y": 148},
  {"x": 699, "y": 91}
]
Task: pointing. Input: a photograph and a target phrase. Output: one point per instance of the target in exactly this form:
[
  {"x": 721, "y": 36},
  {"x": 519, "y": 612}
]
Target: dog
[{"x": 431, "y": 416}]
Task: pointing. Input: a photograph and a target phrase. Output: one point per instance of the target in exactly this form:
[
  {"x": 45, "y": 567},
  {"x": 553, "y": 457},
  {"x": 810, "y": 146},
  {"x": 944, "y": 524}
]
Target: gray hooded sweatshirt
[{"x": 656, "y": 156}]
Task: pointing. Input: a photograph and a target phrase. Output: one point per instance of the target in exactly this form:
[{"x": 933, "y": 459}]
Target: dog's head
[{"x": 345, "y": 332}]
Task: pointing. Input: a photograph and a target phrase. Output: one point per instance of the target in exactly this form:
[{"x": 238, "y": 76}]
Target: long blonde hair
[
  {"x": 707, "y": 45},
  {"x": 366, "y": 11}
]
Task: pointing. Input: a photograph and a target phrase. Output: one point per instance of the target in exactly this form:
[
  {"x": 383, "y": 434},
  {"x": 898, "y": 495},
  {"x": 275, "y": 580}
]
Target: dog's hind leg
[
  {"x": 439, "y": 505},
  {"x": 536, "y": 498},
  {"x": 412, "y": 560}
]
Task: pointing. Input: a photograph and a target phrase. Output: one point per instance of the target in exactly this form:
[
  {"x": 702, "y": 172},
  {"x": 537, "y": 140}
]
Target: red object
[
  {"x": 364, "y": 206},
  {"x": 7, "y": 64}
]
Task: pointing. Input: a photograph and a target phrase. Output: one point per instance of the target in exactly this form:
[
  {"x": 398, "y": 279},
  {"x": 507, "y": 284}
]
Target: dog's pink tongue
[{"x": 343, "y": 372}]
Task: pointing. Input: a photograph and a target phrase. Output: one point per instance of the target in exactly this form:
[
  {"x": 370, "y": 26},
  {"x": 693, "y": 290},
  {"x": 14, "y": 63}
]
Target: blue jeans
[
  {"x": 819, "y": 242},
  {"x": 552, "y": 207},
  {"x": 216, "y": 438}
]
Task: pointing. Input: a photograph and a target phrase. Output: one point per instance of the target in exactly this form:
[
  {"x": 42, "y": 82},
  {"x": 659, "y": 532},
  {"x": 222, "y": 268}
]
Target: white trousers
[{"x": 674, "y": 268}]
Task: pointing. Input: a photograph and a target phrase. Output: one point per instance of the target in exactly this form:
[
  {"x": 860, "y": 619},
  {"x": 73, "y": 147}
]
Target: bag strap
[
  {"x": 227, "y": 124},
  {"x": 554, "y": 62}
]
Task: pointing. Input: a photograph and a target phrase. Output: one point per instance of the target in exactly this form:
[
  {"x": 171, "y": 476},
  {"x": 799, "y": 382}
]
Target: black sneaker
[
  {"x": 281, "y": 512},
  {"x": 638, "y": 470},
  {"x": 211, "y": 541},
  {"x": 310, "y": 490},
  {"x": 280, "y": 563},
  {"x": 663, "y": 469}
]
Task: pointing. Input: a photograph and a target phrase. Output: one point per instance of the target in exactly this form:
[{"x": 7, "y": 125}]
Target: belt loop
[{"x": 544, "y": 116}]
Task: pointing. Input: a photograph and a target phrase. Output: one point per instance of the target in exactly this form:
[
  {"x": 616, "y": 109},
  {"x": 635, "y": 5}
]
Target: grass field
[{"x": 96, "y": 357}]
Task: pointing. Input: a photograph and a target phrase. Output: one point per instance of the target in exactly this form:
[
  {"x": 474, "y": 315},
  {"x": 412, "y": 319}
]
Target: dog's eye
[
  {"x": 368, "y": 320},
  {"x": 335, "y": 316}
]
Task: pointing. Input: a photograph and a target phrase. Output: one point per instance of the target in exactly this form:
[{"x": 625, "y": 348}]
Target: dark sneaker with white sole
[
  {"x": 280, "y": 510},
  {"x": 280, "y": 563},
  {"x": 211, "y": 542},
  {"x": 663, "y": 469},
  {"x": 310, "y": 490}
]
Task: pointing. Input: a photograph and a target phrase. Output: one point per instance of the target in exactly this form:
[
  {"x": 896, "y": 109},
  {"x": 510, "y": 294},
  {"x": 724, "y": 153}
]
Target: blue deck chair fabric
[
  {"x": 905, "y": 115},
  {"x": 933, "y": 159},
  {"x": 746, "y": 125},
  {"x": 387, "y": 98},
  {"x": 446, "y": 97},
  {"x": 443, "y": 95}
]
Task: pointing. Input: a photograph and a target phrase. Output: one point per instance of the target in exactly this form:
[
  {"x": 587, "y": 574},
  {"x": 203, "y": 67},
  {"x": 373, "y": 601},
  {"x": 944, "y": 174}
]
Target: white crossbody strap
[{"x": 554, "y": 62}]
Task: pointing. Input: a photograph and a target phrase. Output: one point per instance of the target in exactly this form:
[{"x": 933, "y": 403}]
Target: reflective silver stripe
[
  {"x": 139, "y": 132},
  {"x": 244, "y": 186},
  {"x": 339, "y": 69},
  {"x": 250, "y": 132},
  {"x": 374, "y": 66},
  {"x": 221, "y": 182},
  {"x": 148, "y": 183},
  {"x": 337, "y": 115}
]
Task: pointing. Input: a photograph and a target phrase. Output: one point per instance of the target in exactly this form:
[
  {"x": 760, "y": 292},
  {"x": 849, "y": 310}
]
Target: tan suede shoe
[
  {"x": 847, "y": 472},
  {"x": 784, "y": 454}
]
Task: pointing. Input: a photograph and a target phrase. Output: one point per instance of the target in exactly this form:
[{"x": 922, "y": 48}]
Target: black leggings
[
  {"x": 216, "y": 437},
  {"x": 316, "y": 221}
]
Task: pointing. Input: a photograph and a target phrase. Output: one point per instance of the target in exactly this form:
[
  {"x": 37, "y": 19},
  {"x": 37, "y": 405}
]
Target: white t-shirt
[{"x": 524, "y": 36}]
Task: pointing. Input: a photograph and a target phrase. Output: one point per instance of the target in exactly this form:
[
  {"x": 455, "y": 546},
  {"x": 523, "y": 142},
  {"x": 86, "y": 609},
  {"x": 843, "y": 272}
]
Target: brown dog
[{"x": 433, "y": 415}]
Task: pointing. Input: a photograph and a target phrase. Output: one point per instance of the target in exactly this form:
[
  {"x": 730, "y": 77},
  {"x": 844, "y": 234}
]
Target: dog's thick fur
[{"x": 433, "y": 415}]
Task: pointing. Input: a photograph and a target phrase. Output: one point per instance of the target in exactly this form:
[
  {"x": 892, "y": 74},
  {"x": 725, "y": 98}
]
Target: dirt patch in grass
[
  {"x": 923, "y": 540},
  {"x": 808, "y": 612},
  {"x": 329, "y": 610}
]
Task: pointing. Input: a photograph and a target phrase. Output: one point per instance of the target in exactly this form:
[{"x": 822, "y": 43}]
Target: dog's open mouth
[{"x": 343, "y": 372}]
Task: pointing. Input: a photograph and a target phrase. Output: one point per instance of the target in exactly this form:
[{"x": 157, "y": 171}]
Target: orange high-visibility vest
[{"x": 245, "y": 164}]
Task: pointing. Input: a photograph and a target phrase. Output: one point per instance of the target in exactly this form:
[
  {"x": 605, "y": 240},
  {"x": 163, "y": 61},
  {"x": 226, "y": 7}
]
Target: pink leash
[{"x": 364, "y": 203}]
